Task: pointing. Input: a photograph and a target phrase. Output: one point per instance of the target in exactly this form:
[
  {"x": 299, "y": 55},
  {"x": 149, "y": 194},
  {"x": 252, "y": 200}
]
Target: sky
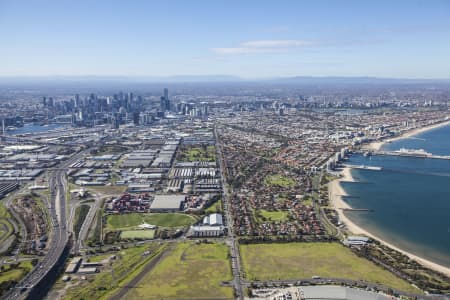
[{"x": 250, "y": 39}]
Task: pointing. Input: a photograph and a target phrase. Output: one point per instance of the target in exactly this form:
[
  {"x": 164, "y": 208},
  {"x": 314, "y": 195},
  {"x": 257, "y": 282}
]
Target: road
[
  {"x": 231, "y": 238},
  {"x": 57, "y": 240},
  {"x": 59, "y": 236},
  {"x": 84, "y": 230}
]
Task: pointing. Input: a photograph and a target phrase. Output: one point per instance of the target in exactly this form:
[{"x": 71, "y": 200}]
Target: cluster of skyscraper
[
  {"x": 119, "y": 109},
  {"x": 181, "y": 108},
  {"x": 92, "y": 110}
]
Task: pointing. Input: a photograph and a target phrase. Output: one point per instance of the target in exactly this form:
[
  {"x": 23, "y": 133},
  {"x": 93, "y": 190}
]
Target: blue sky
[{"x": 251, "y": 39}]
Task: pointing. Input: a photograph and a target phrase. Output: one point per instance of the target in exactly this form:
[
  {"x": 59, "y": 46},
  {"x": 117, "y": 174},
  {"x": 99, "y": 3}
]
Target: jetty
[
  {"x": 418, "y": 153},
  {"x": 357, "y": 209},
  {"x": 412, "y": 154},
  {"x": 363, "y": 167}
]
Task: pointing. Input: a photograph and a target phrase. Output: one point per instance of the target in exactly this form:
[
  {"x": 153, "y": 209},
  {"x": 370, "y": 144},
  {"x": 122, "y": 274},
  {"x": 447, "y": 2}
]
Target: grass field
[
  {"x": 215, "y": 207},
  {"x": 137, "y": 234},
  {"x": 6, "y": 228},
  {"x": 307, "y": 201},
  {"x": 128, "y": 221},
  {"x": 279, "y": 180},
  {"x": 80, "y": 215},
  {"x": 198, "y": 154},
  {"x": 3, "y": 211},
  {"x": 108, "y": 189},
  {"x": 189, "y": 271},
  {"x": 275, "y": 216},
  {"x": 101, "y": 285},
  {"x": 304, "y": 260},
  {"x": 15, "y": 274},
  {"x": 98, "y": 258}
]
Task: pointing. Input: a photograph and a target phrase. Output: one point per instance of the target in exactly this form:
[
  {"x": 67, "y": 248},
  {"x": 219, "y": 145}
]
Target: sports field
[
  {"x": 304, "y": 260},
  {"x": 137, "y": 234},
  {"x": 128, "y": 221},
  {"x": 189, "y": 271}
]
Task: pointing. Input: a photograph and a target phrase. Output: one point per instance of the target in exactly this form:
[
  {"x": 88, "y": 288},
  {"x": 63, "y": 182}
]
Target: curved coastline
[
  {"x": 336, "y": 192},
  {"x": 377, "y": 145}
]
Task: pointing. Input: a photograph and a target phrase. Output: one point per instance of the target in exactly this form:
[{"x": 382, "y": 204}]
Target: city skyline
[{"x": 251, "y": 40}]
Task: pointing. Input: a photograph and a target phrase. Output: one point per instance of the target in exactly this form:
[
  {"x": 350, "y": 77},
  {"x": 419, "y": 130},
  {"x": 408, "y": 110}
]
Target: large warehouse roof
[{"x": 167, "y": 202}]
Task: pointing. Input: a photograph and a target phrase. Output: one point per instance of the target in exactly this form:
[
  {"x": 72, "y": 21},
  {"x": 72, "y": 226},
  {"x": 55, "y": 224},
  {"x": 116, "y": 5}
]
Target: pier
[
  {"x": 363, "y": 167},
  {"x": 408, "y": 153},
  {"x": 411, "y": 154},
  {"x": 357, "y": 209}
]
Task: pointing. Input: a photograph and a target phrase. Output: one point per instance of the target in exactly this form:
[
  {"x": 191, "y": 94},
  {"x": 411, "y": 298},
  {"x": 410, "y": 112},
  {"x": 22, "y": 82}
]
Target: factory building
[
  {"x": 167, "y": 203},
  {"x": 213, "y": 220},
  {"x": 212, "y": 226}
]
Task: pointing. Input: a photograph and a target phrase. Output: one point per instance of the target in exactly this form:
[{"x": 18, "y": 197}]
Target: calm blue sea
[
  {"x": 410, "y": 196},
  {"x": 30, "y": 128},
  {"x": 435, "y": 141}
]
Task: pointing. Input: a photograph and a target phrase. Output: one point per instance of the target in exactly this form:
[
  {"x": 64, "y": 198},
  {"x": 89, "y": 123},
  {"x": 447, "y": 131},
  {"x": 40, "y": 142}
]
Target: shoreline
[
  {"x": 336, "y": 192},
  {"x": 377, "y": 145}
]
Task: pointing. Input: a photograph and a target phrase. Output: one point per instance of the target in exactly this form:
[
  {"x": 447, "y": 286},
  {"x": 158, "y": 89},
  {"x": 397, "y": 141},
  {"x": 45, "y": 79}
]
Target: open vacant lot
[
  {"x": 108, "y": 189},
  {"x": 101, "y": 285},
  {"x": 304, "y": 260},
  {"x": 190, "y": 271},
  {"x": 125, "y": 221}
]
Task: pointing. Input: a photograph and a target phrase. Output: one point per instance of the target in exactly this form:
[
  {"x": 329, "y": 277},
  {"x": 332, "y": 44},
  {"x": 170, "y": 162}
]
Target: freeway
[
  {"x": 58, "y": 238},
  {"x": 231, "y": 239}
]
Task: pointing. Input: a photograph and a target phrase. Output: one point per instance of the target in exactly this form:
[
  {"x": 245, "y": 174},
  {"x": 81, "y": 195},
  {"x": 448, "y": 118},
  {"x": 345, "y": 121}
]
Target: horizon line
[{"x": 217, "y": 76}]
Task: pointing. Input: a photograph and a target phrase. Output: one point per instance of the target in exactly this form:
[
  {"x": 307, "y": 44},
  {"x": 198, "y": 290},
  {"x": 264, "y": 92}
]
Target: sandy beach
[
  {"x": 336, "y": 192},
  {"x": 375, "y": 146}
]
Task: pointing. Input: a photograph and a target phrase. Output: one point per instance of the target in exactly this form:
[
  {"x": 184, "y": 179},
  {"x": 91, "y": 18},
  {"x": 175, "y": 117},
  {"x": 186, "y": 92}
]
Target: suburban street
[{"x": 231, "y": 240}]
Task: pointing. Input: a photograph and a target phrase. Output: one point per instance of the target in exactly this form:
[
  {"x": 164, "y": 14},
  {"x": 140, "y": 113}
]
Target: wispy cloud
[{"x": 264, "y": 46}]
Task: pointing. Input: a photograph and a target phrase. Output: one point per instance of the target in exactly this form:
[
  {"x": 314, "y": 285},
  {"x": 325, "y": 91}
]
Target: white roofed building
[{"x": 213, "y": 220}]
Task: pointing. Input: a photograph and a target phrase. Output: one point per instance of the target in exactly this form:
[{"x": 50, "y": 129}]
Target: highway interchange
[{"x": 59, "y": 235}]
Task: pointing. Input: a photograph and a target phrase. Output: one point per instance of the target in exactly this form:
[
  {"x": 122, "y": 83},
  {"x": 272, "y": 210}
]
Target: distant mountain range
[
  {"x": 217, "y": 79},
  {"x": 355, "y": 80}
]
